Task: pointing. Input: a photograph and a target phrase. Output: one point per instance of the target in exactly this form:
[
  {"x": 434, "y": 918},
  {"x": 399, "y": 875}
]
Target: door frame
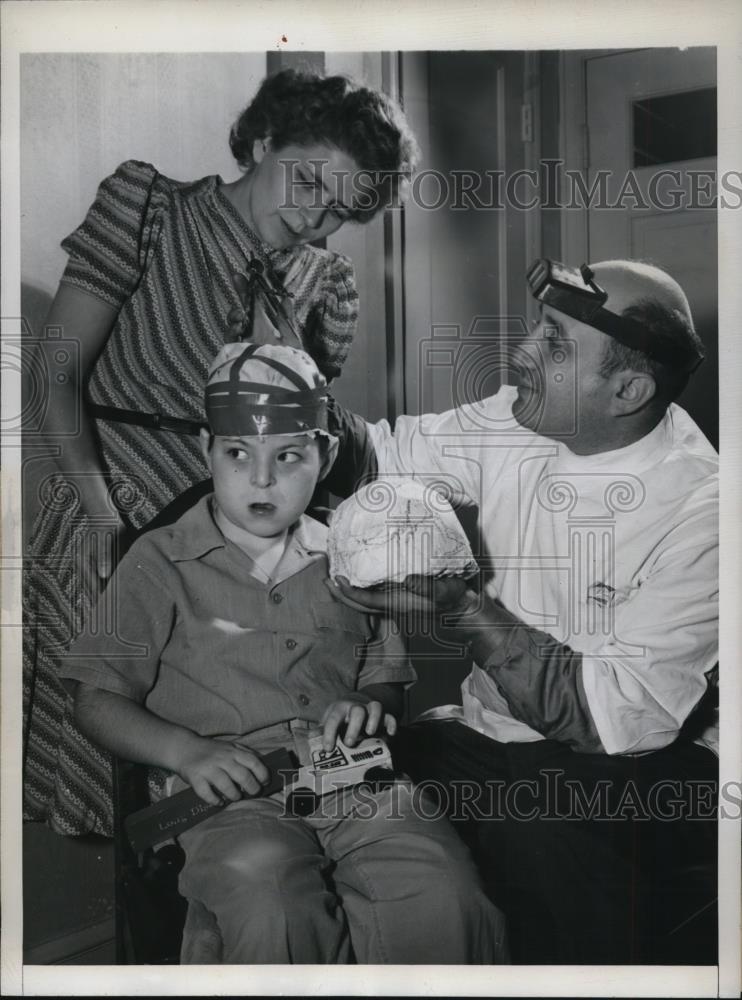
[{"x": 574, "y": 142}]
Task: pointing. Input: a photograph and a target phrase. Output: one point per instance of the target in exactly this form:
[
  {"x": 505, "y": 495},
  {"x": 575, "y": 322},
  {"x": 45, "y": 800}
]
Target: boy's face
[{"x": 263, "y": 485}]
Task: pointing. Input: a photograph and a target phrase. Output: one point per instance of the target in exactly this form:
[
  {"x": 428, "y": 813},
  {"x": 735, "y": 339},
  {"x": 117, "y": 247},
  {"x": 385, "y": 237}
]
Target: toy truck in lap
[{"x": 329, "y": 770}]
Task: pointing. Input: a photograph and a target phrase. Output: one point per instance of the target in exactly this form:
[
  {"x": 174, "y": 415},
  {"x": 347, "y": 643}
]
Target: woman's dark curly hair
[{"x": 303, "y": 109}]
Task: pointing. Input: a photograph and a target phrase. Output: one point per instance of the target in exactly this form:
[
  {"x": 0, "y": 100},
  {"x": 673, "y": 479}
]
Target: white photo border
[{"x": 335, "y": 25}]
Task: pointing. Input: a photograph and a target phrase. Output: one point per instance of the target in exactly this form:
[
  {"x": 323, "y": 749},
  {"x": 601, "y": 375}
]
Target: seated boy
[{"x": 228, "y": 645}]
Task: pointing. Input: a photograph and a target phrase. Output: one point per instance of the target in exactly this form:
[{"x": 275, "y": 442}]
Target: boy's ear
[
  {"x": 205, "y": 438},
  {"x": 329, "y": 459},
  {"x": 259, "y": 148}
]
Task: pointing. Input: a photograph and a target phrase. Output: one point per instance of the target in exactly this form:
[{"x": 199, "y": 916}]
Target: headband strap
[
  {"x": 249, "y": 408},
  {"x": 268, "y": 418},
  {"x": 256, "y": 393},
  {"x": 575, "y": 293}
]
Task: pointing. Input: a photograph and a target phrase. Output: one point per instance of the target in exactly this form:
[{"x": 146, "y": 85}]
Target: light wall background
[{"x": 83, "y": 114}]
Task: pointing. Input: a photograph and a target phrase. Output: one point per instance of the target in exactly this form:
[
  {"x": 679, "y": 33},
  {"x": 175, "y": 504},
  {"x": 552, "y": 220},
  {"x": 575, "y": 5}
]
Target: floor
[{"x": 68, "y": 899}]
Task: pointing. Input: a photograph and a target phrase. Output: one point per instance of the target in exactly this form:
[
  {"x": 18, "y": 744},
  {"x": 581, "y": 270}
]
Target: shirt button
[
  {"x": 303, "y": 699},
  {"x": 277, "y": 598},
  {"x": 291, "y": 644}
]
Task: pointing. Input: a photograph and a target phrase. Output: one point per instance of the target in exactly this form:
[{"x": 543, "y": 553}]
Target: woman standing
[{"x": 160, "y": 276}]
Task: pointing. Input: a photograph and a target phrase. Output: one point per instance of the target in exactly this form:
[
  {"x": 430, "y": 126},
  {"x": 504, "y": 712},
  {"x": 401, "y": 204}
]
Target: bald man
[{"x": 581, "y": 760}]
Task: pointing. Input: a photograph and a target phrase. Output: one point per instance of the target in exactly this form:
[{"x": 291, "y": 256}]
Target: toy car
[{"x": 369, "y": 761}]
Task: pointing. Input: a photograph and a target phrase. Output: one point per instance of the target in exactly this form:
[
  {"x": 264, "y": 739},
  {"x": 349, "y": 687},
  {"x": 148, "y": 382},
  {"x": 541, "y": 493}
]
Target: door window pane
[{"x": 675, "y": 127}]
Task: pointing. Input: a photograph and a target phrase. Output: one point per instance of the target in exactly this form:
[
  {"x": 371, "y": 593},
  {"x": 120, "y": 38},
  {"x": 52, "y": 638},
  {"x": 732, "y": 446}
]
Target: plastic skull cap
[
  {"x": 397, "y": 527},
  {"x": 261, "y": 389}
]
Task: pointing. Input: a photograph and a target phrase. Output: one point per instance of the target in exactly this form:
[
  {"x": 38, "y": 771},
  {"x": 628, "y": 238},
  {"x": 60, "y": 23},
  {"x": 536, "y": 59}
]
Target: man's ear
[
  {"x": 206, "y": 441},
  {"x": 632, "y": 392},
  {"x": 260, "y": 147}
]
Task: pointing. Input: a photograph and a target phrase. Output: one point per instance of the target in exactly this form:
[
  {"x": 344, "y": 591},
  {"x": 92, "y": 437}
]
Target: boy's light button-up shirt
[{"x": 196, "y": 638}]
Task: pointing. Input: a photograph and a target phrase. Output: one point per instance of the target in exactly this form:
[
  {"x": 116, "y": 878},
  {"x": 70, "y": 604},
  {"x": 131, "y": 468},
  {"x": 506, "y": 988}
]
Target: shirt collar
[
  {"x": 196, "y": 533},
  {"x": 310, "y": 535},
  {"x": 306, "y": 543},
  {"x": 635, "y": 457}
]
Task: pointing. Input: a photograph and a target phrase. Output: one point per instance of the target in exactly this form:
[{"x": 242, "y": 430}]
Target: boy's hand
[
  {"x": 359, "y": 714},
  {"x": 217, "y": 771}
]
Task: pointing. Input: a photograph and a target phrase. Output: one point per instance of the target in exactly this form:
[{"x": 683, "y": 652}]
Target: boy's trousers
[{"x": 370, "y": 877}]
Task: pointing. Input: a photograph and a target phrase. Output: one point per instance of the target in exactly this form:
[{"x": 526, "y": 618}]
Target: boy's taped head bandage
[{"x": 265, "y": 389}]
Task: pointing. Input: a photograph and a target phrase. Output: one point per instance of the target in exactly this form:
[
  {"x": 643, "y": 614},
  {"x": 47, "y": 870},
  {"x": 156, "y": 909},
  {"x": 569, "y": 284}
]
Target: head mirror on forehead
[
  {"x": 265, "y": 389},
  {"x": 574, "y": 292}
]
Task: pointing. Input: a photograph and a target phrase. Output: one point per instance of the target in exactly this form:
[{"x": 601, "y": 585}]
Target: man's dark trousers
[{"x": 595, "y": 859}]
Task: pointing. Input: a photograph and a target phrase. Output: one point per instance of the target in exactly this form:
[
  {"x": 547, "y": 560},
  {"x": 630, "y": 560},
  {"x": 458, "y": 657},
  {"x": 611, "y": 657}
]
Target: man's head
[
  {"x": 269, "y": 445},
  {"x": 590, "y": 389}
]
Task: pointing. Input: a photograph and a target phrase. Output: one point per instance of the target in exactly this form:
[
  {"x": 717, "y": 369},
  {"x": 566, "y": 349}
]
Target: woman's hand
[
  {"x": 71, "y": 436},
  {"x": 217, "y": 770},
  {"x": 100, "y": 552},
  {"x": 418, "y": 595},
  {"x": 360, "y": 714}
]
